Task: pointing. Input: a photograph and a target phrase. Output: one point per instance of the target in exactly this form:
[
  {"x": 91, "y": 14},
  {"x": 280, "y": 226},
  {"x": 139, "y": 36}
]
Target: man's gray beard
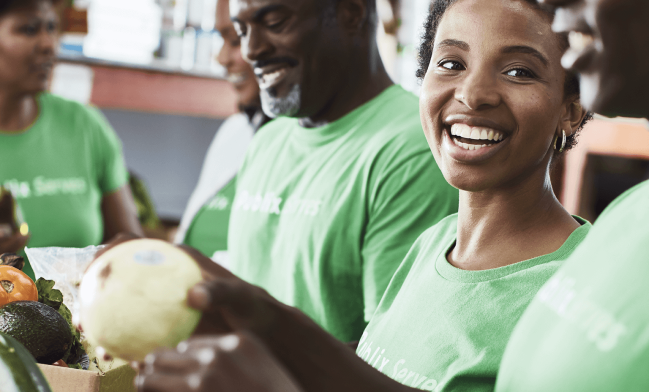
[{"x": 276, "y": 106}]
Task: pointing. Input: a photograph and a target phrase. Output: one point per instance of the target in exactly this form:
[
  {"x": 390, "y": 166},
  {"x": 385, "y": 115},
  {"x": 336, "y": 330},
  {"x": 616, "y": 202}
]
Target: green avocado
[
  {"x": 18, "y": 369},
  {"x": 38, "y": 327}
]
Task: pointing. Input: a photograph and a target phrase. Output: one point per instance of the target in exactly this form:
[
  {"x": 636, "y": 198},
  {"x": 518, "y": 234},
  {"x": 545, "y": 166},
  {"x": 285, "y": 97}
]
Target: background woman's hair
[
  {"x": 438, "y": 9},
  {"x": 10, "y": 5}
]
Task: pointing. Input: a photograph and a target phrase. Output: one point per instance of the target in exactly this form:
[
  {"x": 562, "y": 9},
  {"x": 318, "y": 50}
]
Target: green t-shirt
[
  {"x": 59, "y": 169},
  {"x": 587, "y": 330},
  {"x": 323, "y": 216},
  {"x": 441, "y": 328},
  {"x": 208, "y": 231}
]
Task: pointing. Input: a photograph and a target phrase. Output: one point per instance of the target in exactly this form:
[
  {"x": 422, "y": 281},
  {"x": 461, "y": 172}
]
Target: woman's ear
[{"x": 573, "y": 115}]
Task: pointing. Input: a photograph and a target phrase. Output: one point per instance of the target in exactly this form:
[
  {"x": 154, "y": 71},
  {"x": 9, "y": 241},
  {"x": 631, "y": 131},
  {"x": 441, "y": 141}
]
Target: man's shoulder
[
  {"x": 634, "y": 202},
  {"x": 395, "y": 121}
]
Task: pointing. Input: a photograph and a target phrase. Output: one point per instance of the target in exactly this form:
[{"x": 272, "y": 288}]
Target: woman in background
[
  {"x": 204, "y": 225},
  {"x": 62, "y": 161}
]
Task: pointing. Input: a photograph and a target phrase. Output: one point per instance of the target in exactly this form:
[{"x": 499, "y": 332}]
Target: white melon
[{"x": 133, "y": 298}]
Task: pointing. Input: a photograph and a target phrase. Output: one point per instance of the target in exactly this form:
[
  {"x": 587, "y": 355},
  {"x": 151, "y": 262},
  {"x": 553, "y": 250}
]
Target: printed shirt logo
[
  {"x": 41, "y": 186},
  {"x": 218, "y": 203},
  {"x": 600, "y": 326},
  {"x": 375, "y": 356},
  {"x": 271, "y": 204}
]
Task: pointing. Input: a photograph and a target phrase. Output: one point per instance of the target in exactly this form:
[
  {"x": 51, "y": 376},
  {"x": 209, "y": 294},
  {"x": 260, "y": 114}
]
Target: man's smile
[{"x": 271, "y": 76}]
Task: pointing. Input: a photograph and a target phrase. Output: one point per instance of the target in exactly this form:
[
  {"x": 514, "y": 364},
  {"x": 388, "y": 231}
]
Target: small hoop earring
[{"x": 563, "y": 141}]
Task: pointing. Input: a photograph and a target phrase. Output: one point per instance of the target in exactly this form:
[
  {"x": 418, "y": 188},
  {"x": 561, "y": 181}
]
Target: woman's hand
[{"x": 231, "y": 363}]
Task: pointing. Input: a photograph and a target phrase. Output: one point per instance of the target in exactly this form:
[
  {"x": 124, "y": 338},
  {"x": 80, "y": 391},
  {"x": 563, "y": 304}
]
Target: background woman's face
[
  {"x": 28, "y": 39},
  {"x": 495, "y": 73},
  {"x": 610, "y": 49},
  {"x": 240, "y": 73}
]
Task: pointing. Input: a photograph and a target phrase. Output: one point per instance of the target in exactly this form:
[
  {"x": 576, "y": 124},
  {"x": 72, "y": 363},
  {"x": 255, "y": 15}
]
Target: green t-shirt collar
[
  {"x": 333, "y": 130},
  {"x": 449, "y": 272}
]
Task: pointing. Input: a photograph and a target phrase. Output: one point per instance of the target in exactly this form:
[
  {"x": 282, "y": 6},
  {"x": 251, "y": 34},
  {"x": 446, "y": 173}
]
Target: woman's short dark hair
[
  {"x": 439, "y": 7},
  {"x": 9, "y": 5}
]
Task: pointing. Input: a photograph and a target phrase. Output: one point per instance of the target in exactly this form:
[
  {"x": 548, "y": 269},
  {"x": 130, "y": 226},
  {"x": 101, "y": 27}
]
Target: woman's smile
[{"x": 469, "y": 144}]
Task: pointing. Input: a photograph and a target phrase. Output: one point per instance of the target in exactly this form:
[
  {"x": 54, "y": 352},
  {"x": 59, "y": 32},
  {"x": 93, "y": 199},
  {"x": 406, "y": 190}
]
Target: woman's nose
[
  {"x": 47, "y": 41},
  {"x": 478, "y": 91}
]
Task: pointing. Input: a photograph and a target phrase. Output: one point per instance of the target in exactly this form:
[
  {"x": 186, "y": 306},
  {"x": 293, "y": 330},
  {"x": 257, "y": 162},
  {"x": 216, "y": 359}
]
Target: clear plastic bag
[{"x": 65, "y": 266}]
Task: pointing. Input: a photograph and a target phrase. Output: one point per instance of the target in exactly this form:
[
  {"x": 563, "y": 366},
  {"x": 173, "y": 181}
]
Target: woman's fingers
[
  {"x": 232, "y": 305},
  {"x": 230, "y": 363},
  {"x": 170, "y": 361},
  {"x": 160, "y": 382}
]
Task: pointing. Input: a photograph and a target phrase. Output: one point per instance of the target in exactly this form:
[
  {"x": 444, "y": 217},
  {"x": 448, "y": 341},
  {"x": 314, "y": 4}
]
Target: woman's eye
[
  {"x": 29, "y": 29},
  {"x": 520, "y": 73},
  {"x": 452, "y": 65}
]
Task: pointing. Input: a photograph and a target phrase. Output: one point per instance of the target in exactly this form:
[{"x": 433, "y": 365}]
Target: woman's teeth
[
  {"x": 475, "y": 133},
  {"x": 469, "y": 146},
  {"x": 236, "y": 78},
  {"x": 579, "y": 41}
]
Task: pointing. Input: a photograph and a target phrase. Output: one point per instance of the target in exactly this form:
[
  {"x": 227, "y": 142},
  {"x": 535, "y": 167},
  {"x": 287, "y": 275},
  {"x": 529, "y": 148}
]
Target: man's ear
[
  {"x": 352, "y": 14},
  {"x": 573, "y": 115}
]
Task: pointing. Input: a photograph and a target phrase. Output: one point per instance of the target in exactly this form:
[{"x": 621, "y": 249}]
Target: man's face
[
  {"x": 609, "y": 47},
  {"x": 295, "y": 50}
]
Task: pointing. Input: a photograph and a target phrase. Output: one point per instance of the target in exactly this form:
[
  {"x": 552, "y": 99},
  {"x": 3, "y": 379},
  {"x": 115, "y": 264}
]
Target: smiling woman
[
  {"x": 61, "y": 160},
  {"x": 497, "y": 108}
]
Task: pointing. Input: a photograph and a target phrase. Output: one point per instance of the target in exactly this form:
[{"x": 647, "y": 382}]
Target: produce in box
[
  {"x": 15, "y": 285},
  {"x": 38, "y": 327}
]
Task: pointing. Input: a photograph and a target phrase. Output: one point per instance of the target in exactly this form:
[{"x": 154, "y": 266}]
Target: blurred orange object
[
  {"x": 74, "y": 20},
  {"x": 60, "y": 363},
  {"x": 15, "y": 285}
]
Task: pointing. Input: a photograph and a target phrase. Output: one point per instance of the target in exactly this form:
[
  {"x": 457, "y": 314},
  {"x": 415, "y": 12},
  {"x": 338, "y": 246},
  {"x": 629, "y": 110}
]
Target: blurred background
[{"x": 150, "y": 66}]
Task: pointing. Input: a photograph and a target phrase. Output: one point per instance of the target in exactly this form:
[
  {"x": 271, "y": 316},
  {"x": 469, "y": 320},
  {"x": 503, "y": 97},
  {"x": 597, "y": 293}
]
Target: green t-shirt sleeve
[
  {"x": 411, "y": 196},
  {"x": 111, "y": 168}
]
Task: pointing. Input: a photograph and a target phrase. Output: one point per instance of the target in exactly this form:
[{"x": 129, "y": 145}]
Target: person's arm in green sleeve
[
  {"x": 409, "y": 197},
  {"x": 120, "y": 214}
]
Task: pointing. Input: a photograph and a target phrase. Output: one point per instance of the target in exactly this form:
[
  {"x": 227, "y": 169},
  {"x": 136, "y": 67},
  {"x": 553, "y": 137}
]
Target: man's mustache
[{"x": 276, "y": 60}]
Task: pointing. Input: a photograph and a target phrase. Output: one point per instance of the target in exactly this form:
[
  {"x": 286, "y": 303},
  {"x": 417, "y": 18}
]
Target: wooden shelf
[
  {"x": 601, "y": 137},
  {"x": 158, "y": 90}
]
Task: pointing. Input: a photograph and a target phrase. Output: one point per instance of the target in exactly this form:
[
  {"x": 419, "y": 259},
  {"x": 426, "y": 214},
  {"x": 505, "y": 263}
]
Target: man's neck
[{"x": 367, "y": 80}]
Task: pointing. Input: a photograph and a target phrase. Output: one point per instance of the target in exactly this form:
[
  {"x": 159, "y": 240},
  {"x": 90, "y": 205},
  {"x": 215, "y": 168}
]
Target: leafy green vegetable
[
  {"x": 47, "y": 294},
  {"x": 52, "y": 297}
]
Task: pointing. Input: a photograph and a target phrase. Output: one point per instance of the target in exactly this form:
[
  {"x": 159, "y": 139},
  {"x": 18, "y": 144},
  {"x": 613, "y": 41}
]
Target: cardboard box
[{"x": 119, "y": 379}]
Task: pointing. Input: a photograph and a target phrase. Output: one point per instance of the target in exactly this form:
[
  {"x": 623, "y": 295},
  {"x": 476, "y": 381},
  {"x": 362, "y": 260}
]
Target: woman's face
[
  {"x": 28, "y": 38},
  {"x": 492, "y": 98},
  {"x": 240, "y": 73}
]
